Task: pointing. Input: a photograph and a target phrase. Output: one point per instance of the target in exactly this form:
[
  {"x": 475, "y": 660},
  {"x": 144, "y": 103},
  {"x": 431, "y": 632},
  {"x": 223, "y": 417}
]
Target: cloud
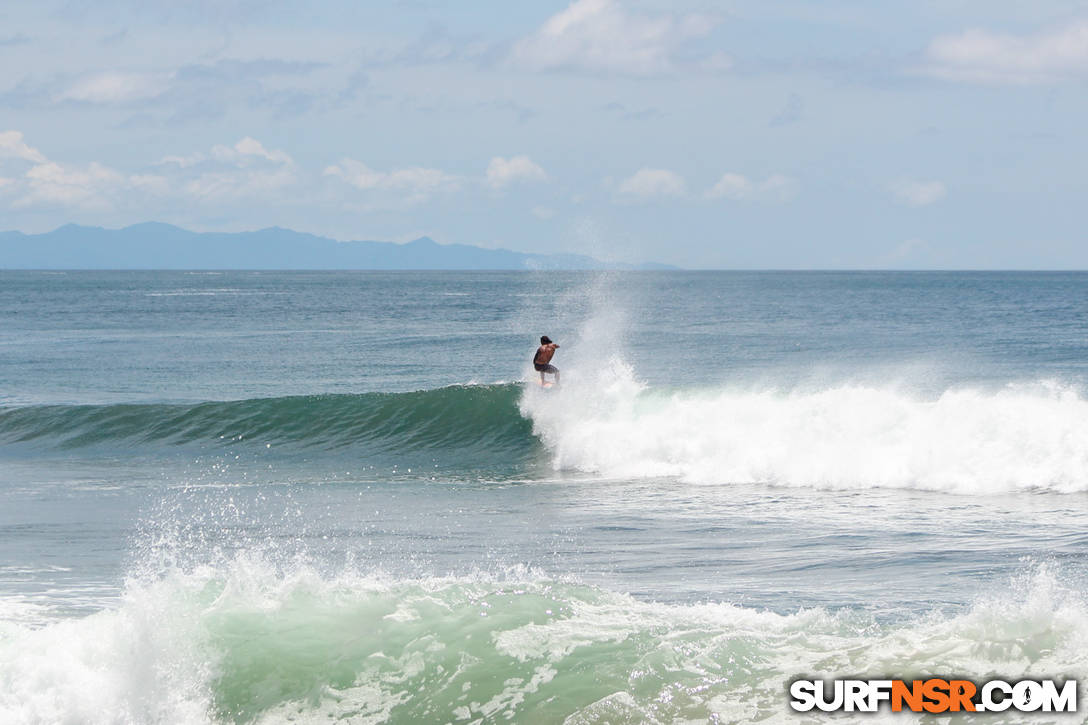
[
  {"x": 91, "y": 186},
  {"x": 246, "y": 150},
  {"x": 650, "y": 183},
  {"x": 438, "y": 45},
  {"x": 116, "y": 87},
  {"x": 245, "y": 170},
  {"x": 983, "y": 57},
  {"x": 12, "y": 146},
  {"x": 415, "y": 183},
  {"x": 738, "y": 187},
  {"x": 202, "y": 91},
  {"x": 919, "y": 193},
  {"x": 49, "y": 183},
  {"x": 193, "y": 91},
  {"x": 184, "y": 162},
  {"x": 219, "y": 186},
  {"x": 435, "y": 45},
  {"x": 543, "y": 212},
  {"x": 503, "y": 172},
  {"x": 600, "y": 36}
]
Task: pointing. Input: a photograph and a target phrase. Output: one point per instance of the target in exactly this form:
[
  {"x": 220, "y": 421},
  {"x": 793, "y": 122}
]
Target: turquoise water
[{"x": 302, "y": 497}]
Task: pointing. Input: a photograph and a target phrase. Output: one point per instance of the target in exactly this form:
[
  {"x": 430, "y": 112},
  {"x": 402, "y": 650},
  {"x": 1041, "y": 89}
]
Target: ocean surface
[{"x": 249, "y": 497}]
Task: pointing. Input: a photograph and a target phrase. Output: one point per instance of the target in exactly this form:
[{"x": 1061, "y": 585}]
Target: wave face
[
  {"x": 467, "y": 417},
  {"x": 1025, "y": 437},
  {"x": 848, "y": 436},
  {"x": 243, "y": 641}
]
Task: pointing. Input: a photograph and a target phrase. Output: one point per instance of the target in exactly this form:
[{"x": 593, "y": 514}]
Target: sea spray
[
  {"x": 143, "y": 662},
  {"x": 846, "y": 436},
  {"x": 245, "y": 640},
  {"x": 605, "y": 421}
]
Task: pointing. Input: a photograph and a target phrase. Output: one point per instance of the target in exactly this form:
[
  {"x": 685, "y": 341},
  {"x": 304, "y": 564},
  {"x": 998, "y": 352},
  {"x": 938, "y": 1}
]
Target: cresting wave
[
  {"x": 479, "y": 417},
  {"x": 246, "y": 642},
  {"x": 1028, "y": 437},
  {"x": 847, "y": 436}
]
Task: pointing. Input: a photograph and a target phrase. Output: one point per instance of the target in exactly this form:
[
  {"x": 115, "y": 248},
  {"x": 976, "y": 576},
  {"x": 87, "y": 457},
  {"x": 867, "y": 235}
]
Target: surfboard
[{"x": 547, "y": 384}]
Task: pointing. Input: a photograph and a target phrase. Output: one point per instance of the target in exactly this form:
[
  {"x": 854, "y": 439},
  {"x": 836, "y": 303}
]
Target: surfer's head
[{"x": 545, "y": 340}]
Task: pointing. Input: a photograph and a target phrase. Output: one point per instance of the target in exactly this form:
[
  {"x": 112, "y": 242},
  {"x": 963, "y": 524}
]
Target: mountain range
[{"x": 162, "y": 246}]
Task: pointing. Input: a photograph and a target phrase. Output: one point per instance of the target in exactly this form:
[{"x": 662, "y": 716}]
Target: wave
[
  {"x": 472, "y": 417},
  {"x": 608, "y": 424},
  {"x": 244, "y": 641},
  {"x": 847, "y": 436}
]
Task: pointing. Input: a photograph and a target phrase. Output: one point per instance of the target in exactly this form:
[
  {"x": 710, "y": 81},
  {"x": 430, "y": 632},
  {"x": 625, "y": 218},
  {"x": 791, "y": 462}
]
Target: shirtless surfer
[{"x": 543, "y": 357}]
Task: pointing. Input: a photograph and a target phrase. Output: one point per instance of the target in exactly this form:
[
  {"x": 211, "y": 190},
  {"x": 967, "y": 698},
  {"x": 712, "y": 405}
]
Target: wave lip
[
  {"x": 1023, "y": 437},
  {"x": 472, "y": 417}
]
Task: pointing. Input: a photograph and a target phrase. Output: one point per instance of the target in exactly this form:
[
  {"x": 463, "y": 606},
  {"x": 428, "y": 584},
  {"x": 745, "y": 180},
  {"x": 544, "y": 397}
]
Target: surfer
[{"x": 543, "y": 357}]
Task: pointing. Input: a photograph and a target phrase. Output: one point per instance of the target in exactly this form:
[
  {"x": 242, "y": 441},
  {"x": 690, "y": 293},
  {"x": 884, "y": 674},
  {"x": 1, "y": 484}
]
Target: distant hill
[{"x": 162, "y": 246}]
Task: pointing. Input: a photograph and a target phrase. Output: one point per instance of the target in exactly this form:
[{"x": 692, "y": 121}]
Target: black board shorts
[{"x": 545, "y": 368}]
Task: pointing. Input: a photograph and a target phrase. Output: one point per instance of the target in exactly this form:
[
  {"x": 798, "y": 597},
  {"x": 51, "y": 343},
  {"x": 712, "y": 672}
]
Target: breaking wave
[
  {"x": 1021, "y": 437},
  {"x": 244, "y": 641},
  {"x": 846, "y": 436}
]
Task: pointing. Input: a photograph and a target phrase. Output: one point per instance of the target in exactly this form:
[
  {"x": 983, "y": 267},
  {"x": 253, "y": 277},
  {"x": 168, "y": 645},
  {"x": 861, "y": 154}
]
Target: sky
[{"x": 758, "y": 134}]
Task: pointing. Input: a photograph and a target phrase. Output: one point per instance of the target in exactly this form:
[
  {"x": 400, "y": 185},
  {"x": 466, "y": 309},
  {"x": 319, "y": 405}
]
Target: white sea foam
[
  {"x": 247, "y": 641},
  {"x": 846, "y": 436},
  {"x": 140, "y": 663}
]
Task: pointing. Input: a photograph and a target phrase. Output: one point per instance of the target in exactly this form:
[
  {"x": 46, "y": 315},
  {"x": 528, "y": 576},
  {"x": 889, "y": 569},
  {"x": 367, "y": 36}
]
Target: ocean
[{"x": 266, "y": 497}]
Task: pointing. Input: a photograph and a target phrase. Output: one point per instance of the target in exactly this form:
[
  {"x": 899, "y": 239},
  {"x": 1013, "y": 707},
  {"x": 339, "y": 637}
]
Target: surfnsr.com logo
[{"x": 935, "y": 695}]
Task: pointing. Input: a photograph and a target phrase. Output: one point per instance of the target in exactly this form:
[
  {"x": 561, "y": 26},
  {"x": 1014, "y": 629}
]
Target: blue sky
[{"x": 837, "y": 134}]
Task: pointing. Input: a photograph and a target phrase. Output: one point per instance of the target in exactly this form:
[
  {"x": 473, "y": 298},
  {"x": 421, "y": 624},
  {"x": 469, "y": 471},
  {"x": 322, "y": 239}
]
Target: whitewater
[
  {"x": 848, "y": 436},
  {"x": 315, "y": 497},
  {"x": 606, "y": 422}
]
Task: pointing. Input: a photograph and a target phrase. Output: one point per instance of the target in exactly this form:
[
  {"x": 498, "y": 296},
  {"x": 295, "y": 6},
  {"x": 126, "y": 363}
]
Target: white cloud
[
  {"x": 503, "y": 172},
  {"x": 245, "y": 170},
  {"x": 12, "y": 146},
  {"x": 51, "y": 183},
  {"x": 919, "y": 193},
  {"x": 116, "y": 87},
  {"x": 220, "y": 186},
  {"x": 416, "y": 183},
  {"x": 543, "y": 212},
  {"x": 89, "y": 187},
  {"x": 247, "y": 150},
  {"x": 151, "y": 183},
  {"x": 599, "y": 35},
  {"x": 981, "y": 56},
  {"x": 738, "y": 187},
  {"x": 184, "y": 162},
  {"x": 650, "y": 183}
]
